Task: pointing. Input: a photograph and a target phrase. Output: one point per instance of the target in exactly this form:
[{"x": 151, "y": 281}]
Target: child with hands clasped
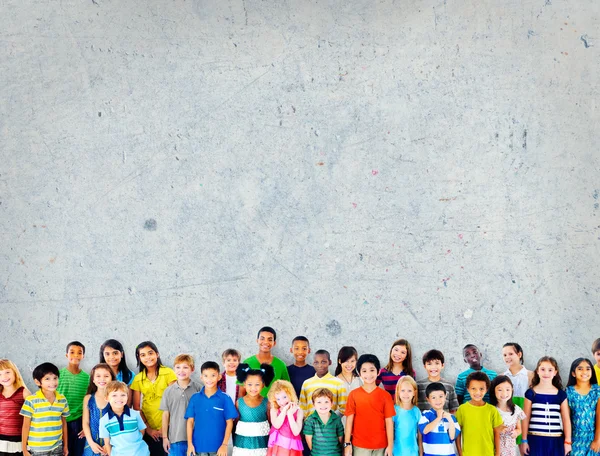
[
  {"x": 286, "y": 420},
  {"x": 439, "y": 428},
  {"x": 94, "y": 403},
  {"x": 501, "y": 396},
  {"x": 545, "y": 406},
  {"x": 12, "y": 396},
  {"x": 406, "y": 420},
  {"x": 583, "y": 393}
]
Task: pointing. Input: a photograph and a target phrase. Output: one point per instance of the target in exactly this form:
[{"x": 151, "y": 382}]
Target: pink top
[{"x": 284, "y": 437}]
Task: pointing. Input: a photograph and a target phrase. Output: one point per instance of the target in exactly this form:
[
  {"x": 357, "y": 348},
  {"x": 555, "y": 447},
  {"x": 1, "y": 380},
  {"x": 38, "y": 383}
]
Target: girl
[
  {"x": 12, "y": 397},
  {"x": 346, "y": 368},
  {"x": 545, "y": 406},
  {"x": 583, "y": 394},
  {"x": 93, "y": 405},
  {"x": 286, "y": 420},
  {"x": 251, "y": 436},
  {"x": 501, "y": 395},
  {"x": 151, "y": 382},
  {"x": 399, "y": 365},
  {"x": 406, "y": 431},
  {"x": 512, "y": 353},
  {"x": 112, "y": 353}
]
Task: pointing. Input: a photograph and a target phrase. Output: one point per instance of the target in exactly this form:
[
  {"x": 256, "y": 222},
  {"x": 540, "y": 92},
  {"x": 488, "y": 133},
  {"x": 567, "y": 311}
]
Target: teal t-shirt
[{"x": 279, "y": 367}]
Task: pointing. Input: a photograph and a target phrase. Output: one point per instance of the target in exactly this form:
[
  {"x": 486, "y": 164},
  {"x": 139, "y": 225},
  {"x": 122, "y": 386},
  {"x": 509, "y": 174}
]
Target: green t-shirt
[
  {"x": 73, "y": 387},
  {"x": 279, "y": 367},
  {"x": 477, "y": 428}
]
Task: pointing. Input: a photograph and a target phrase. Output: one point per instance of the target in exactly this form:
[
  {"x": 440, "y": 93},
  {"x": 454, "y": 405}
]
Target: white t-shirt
[{"x": 230, "y": 386}]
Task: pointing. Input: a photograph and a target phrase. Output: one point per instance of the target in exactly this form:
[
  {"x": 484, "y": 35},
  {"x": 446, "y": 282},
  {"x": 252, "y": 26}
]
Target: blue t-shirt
[
  {"x": 210, "y": 419},
  {"x": 405, "y": 431},
  {"x": 437, "y": 442},
  {"x": 299, "y": 374}
]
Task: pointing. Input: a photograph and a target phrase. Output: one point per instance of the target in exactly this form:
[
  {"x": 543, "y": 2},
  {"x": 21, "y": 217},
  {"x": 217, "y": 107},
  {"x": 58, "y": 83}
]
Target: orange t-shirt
[{"x": 370, "y": 411}]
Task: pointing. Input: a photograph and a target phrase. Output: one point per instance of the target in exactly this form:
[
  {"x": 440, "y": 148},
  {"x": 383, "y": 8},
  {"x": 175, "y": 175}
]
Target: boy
[
  {"x": 228, "y": 382},
  {"x": 433, "y": 361},
  {"x": 73, "y": 385},
  {"x": 174, "y": 404},
  {"x": 266, "y": 340},
  {"x": 44, "y": 415},
  {"x": 209, "y": 415},
  {"x": 480, "y": 422},
  {"x": 596, "y": 353},
  {"x": 300, "y": 370},
  {"x": 323, "y": 379},
  {"x": 472, "y": 356},
  {"x": 324, "y": 429},
  {"x": 369, "y": 413},
  {"x": 122, "y": 428},
  {"x": 438, "y": 427}
]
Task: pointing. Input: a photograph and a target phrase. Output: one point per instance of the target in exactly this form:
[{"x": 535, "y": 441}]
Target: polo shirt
[
  {"x": 124, "y": 432},
  {"x": 370, "y": 411},
  {"x": 210, "y": 416},
  {"x": 461, "y": 383},
  {"x": 278, "y": 366},
  {"x": 325, "y": 436},
  {"x": 175, "y": 401},
  {"x": 298, "y": 375},
  {"x": 437, "y": 442},
  {"x": 74, "y": 388},
  {"x": 333, "y": 384},
  {"x": 45, "y": 432},
  {"x": 152, "y": 393}
]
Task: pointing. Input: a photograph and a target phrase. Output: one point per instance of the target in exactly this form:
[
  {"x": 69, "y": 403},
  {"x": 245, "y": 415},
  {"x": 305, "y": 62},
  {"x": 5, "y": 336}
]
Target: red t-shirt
[
  {"x": 11, "y": 423},
  {"x": 370, "y": 411}
]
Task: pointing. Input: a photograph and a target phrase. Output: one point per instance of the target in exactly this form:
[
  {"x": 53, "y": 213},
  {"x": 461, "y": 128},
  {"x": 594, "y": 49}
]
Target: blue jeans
[{"x": 178, "y": 449}]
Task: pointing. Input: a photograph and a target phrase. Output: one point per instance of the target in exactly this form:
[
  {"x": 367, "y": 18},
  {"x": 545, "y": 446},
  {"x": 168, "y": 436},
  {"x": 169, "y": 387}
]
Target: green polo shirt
[{"x": 325, "y": 437}]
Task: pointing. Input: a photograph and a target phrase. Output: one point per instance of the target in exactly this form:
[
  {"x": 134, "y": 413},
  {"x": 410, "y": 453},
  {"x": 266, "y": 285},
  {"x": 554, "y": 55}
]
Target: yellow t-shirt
[
  {"x": 597, "y": 369},
  {"x": 152, "y": 393},
  {"x": 477, "y": 427}
]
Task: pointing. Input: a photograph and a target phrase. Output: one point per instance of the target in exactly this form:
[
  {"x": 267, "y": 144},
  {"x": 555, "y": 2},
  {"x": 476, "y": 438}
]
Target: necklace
[{"x": 346, "y": 378}]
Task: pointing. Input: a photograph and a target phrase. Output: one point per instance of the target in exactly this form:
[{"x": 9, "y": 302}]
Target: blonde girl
[
  {"x": 93, "y": 403},
  {"x": 406, "y": 420},
  {"x": 12, "y": 396},
  {"x": 286, "y": 421}
]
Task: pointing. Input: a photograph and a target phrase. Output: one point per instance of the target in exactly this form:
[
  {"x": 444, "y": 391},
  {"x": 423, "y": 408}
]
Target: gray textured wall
[{"x": 187, "y": 171}]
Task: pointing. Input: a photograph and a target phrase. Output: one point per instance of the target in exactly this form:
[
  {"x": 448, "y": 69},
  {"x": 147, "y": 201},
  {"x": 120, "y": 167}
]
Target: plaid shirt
[{"x": 222, "y": 385}]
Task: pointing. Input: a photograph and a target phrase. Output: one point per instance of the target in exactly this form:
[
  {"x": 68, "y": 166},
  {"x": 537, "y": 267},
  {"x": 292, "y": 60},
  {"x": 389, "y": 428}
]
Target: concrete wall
[{"x": 356, "y": 171}]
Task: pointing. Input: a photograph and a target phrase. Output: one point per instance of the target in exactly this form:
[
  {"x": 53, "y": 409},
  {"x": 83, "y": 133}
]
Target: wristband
[
  {"x": 568, "y": 443},
  {"x": 524, "y": 441}
]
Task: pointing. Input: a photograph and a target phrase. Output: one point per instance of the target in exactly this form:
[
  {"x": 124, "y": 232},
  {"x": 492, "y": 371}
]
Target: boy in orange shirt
[{"x": 369, "y": 413}]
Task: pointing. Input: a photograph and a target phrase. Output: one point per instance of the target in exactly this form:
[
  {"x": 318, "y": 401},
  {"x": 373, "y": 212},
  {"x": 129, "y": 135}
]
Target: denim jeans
[{"x": 178, "y": 449}]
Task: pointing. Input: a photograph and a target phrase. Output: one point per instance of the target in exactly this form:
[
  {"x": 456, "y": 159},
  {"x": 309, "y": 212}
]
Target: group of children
[{"x": 261, "y": 407}]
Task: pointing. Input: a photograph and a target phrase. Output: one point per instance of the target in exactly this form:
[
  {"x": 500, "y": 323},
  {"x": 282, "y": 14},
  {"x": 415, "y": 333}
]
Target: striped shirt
[
  {"x": 461, "y": 383},
  {"x": 124, "y": 432},
  {"x": 11, "y": 422},
  {"x": 45, "y": 432},
  {"x": 74, "y": 388},
  {"x": 325, "y": 436},
  {"x": 388, "y": 380},
  {"x": 545, "y": 412},
  {"x": 333, "y": 384},
  {"x": 437, "y": 442}
]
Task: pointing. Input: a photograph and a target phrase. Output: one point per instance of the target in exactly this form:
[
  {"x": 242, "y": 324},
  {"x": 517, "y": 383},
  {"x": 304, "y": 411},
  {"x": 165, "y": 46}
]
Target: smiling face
[
  {"x": 253, "y": 384},
  {"x": 434, "y": 368},
  {"x": 511, "y": 357},
  {"x": 266, "y": 342},
  {"x": 368, "y": 373},
  {"x": 472, "y": 357},
  {"x": 210, "y": 377},
  {"x": 437, "y": 400},
  {"x": 321, "y": 364},
  {"x": 7, "y": 378},
  {"x": 183, "y": 371},
  {"x": 49, "y": 382},
  {"x": 583, "y": 372},
  {"x": 300, "y": 350},
  {"x": 546, "y": 371},
  {"x": 406, "y": 393},
  {"x": 112, "y": 357},
  {"x": 477, "y": 390},
  {"x": 398, "y": 354},
  {"x": 231, "y": 362},
  {"x": 101, "y": 378},
  {"x": 349, "y": 366},
  {"x": 282, "y": 398},
  {"x": 75, "y": 355},
  {"x": 117, "y": 399},
  {"x": 322, "y": 405},
  {"x": 148, "y": 357},
  {"x": 504, "y": 392}
]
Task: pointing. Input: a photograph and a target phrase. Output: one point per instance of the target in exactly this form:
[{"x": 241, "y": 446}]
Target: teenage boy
[
  {"x": 300, "y": 370},
  {"x": 596, "y": 353},
  {"x": 44, "y": 415},
  {"x": 439, "y": 429},
  {"x": 323, "y": 379},
  {"x": 472, "y": 356},
  {"x": 209, "y": 415},
  {"x": 433, "y": 361},
  {"x": 266, "y": 340},
  {"x": 323, "y": 429},
  {"x": 174, "y": 403},
  {"x": 369, "y": 414},
  {"x": 121, "y": 427},
  {"x": 480, "y": 422}
]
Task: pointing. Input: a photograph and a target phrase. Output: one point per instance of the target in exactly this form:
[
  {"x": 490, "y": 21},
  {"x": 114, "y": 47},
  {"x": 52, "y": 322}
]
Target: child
[
  {"x": 472, "y": 356},
  {"x": 439, "y": 429},
  {"x": 369, "y": 412},
  {"x": 323, "y": 429},
  {"x": 583, "y": 394},
  {"x": 323, "y": 379},
  {"x": 174, "y": 403},
  {"x": 151, "y": 383},
  {"x": 94, "y": 403},
  {"x": 300, "y": 370},
  {"x": 266, "y": 340},
  {"x": 286, "y": 420},
  {"x": 44, "y": 415},
  {"x": 480, "y": 422},
  {"x": 73, "y": 385},
  {"x": 251, "y": 436},
  {"x": 545, "y": 405},
  {"x": 12, "y": 396},
  {"x": 501, "y": 396},
  {"x": 433, "y": 361},
  {"x": 345, "y": 369},
  {"x": 399, "y": 365},
  {"x": 121, "y": 427},
  {"x": 228, "y": 382},
  {"x": 112, "y": 353},
  {"x": 512, "y": 353},
  {"x": 596, "y": 353},
  {"x": 406, "y": 420},
  {"x": 209, "y": 415}
]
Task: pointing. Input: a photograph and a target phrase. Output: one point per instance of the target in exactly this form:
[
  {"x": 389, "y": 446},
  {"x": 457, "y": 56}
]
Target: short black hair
[
  {"x": 323, "y": 352},
  {"x": 433, "y": 355},
  {"x": 267, "y": 329},
  {"x": 470, "y": 346},
  {"x": 76, "y": 343},
  {"x": 44, "y": 369},
  {"x": 300, "y": 339},
  {"x": 368, "y": 358},
  {"x": 210, "y": 365},
  {"x": 478, "y": 376},
  {"x": 435, "y": 386}
]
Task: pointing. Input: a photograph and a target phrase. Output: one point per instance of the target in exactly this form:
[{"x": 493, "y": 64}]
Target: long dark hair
[
  {"x": 344, "y": 355},
  {"x": 265, "y": 372},
  {"x": 407, "y": 363},
  {"x": 556, "y": 381},
  {"x": 494, "y": 400},
  {"x": 518, "y": 350},
  {"x": 140, "y": 365},
  {"x": 572, "y": 380},
  {"x": 92, "y": 388},
  {"x": 123, "y": 368}
]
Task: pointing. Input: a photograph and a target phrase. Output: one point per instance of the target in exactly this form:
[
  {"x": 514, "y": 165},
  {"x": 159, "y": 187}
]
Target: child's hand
[
  {"x": 348, "y": 450},
  {"x": 97, "y": 449},
  {"x": 447, "y": 416},
  {"x": 65, "y": 450},
  {"x": 292, "y": 408},
  {"x": 388, "y": 451},
  {"x": 156, "y": 434},
  {"x": 567, "y": 448},
  {"x": 515, "y": 433},
  {"x": 81, "y": 435},
  {"x": 166, "y": 445},
  {"x": 525, "y": 448},
  {"x": 440, "y": 413},
  {"x": 191, "y": 450},
  {"x": 222, "y": 450},
  {"x": 595, "y": 446}
]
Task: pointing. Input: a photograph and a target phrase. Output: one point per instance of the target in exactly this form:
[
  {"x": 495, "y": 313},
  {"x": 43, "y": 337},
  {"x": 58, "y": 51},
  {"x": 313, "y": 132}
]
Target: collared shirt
[
  {"x": 152, "y": 392},
  {"x": 437, "y": 441},
  {"x": 333, "y": 384},
  {"x": 520, "y": 381},
  {"x": 175, "y": 401},
  {"x": 45, "y": 432},
  {"x": 124, "y": 432},
  {"x": 325, "y": 436}
]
